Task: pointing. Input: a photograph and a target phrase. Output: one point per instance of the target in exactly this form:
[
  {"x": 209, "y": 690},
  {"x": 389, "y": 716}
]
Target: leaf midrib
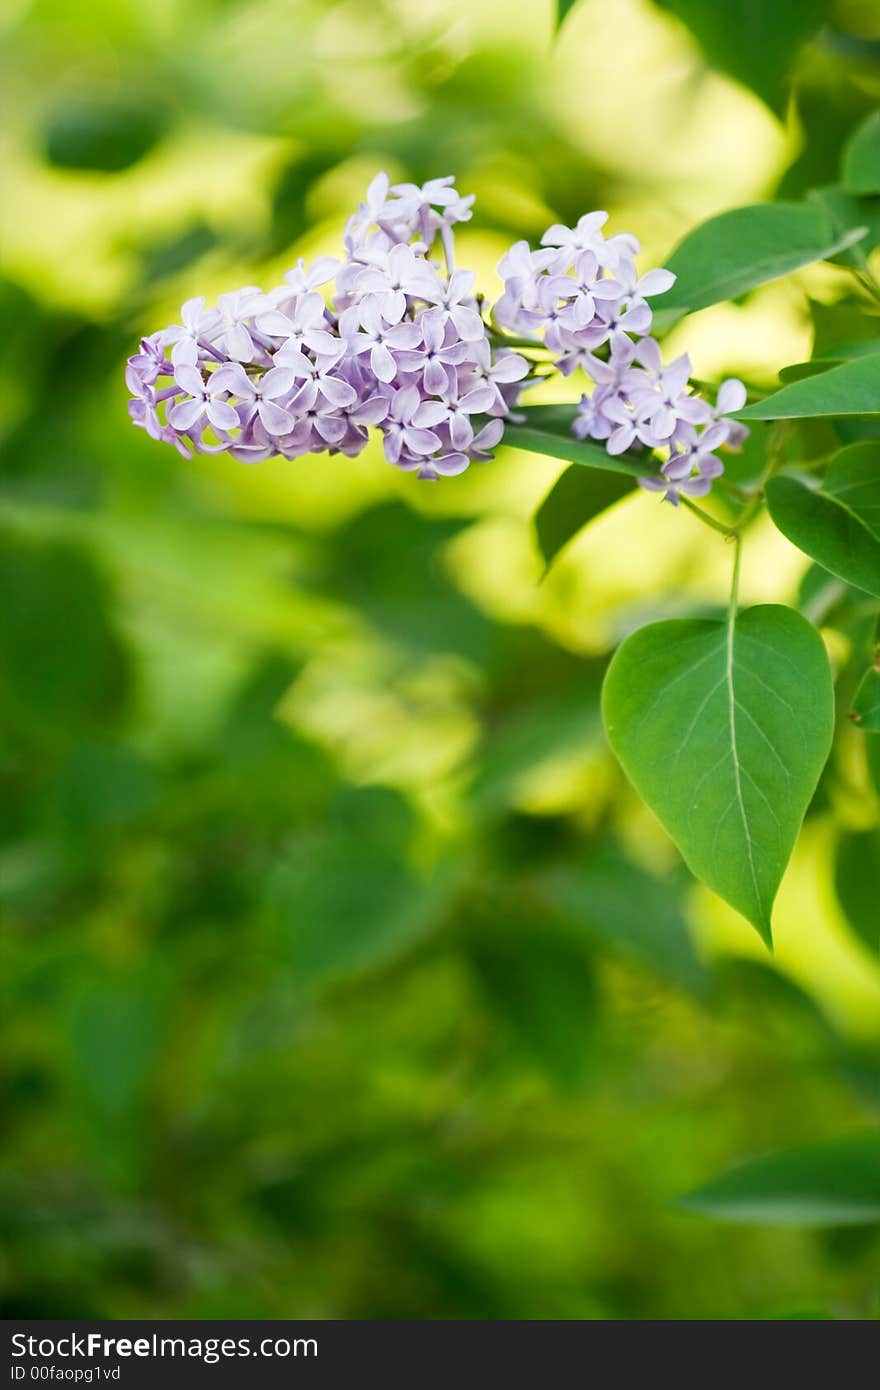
[{"x": 731, "y": 626}]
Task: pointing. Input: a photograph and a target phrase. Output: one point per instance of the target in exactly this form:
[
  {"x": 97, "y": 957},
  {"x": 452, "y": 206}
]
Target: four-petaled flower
[
  {"x": 259, "y": 396},
  {"x": 202, "y": 399}
]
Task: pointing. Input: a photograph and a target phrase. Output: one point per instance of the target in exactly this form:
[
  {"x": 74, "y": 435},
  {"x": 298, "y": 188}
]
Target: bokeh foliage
[{"x": 343, "y": 975}]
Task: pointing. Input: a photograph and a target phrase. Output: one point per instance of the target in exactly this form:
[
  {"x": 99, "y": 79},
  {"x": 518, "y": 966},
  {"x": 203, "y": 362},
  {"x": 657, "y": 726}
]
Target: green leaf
[
  {"x": 547, "y": 430},
  {"x": 113, "y": 1028},
  {"x": 62, "y": 661},
  {"x": 723, "y": 728},
  {"x": 837, "y": 521},
  {"x": 754, "y": 43},
  {"x": 542, "y": 704},
  {"x": 562, "y": 9},
  {"x": 738, "y": 250},
  {"x": 540, "y": 984},
  {"x": 612, "y": 899},
  {"x": 844, "y": 352},
  {"x": 852, "y": 388},
  {"x": 866, "y": 702},
  {"x": 845, "y": 211},
  {"x": 856, "y": 875},
  {"x": 576, "y": 498},
  {"x": 104, "y": 136},
  {"x": 861, "y": 158},
  {"x": 344, "y": 897},
  {"x": 835, "y": 1183}
]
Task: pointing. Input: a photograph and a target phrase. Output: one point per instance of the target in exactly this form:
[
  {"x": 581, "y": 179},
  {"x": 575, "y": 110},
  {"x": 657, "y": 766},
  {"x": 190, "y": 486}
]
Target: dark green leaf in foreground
[
  {"x": 861, "y": 158},
  {"x": 856, "y": 880},
  {"x": 723, "y": 728},
  {"x": 866, "y": 705},
  {"x": 756, "y": 43},
  {"x": 547, "y": 430},
  {"x": 738, "y": 250},
  {"x": 576, "y": 498},
  {"x": 829, "y": 1184},
  {"x": 852, "y": 388},
  {"x": 837, "y": 522}
]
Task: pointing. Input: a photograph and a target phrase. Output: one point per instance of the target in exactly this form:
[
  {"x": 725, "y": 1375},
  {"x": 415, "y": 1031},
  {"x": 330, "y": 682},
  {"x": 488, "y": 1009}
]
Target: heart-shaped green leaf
[
  {"x": 838, "y": 521},
  {"x": 737, "y": 250},
  {"x": 723, "y": 728},
  {"x": 852, "y": 388},
  {"x": 861, "y": 158},
  {"x": 828, "y": 1184},
  {"x": 546, "y": 429},
  {"x": 576, "y": 498}
]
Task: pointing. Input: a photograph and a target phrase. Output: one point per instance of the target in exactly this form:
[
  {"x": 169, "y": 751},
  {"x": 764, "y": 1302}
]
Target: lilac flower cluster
[
  {"x": 581, "y": 293},
  {"x": 402, "y": 346}
]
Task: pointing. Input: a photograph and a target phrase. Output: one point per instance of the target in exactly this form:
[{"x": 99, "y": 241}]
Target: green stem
[
  {"x": 732, "y": 489},
  {"x": 755, "y": 498},
  {"x": 734, "y": 583},
  {"x": 726, "y": 531}
]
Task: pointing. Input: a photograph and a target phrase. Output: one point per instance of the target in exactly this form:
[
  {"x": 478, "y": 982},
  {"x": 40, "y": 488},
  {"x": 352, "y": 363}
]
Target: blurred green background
[{"x": 343, "y": 975}]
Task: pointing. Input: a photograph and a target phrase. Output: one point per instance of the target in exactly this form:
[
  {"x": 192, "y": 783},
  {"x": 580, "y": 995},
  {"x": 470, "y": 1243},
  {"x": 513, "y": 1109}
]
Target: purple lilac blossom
[
  {"x": 581, "y": 296},
  {"x": 400, "y": 347}
]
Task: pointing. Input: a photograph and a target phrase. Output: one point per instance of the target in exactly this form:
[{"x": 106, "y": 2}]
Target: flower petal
[{"x": 184, "y": 415}]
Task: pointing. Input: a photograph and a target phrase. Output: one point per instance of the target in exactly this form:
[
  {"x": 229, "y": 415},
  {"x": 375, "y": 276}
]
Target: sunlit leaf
[
  {"x": 754, "y": 43},
  {"x": 861, "y": 158},
  {"x": 724, "y": 729},
  {"x": 738, "y": 250},
  {"x": 852, "y": 388},
  {"x": 576, "y": 498},
  {"x": 836, "y": 521},
  {"x": 830, "y": 1184},
  {"x": 843, "y": 352}
]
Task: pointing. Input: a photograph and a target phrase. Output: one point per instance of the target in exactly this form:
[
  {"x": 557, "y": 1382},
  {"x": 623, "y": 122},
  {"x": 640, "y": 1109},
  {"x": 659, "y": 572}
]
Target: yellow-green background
[{"x": 307, "y": 1008}]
